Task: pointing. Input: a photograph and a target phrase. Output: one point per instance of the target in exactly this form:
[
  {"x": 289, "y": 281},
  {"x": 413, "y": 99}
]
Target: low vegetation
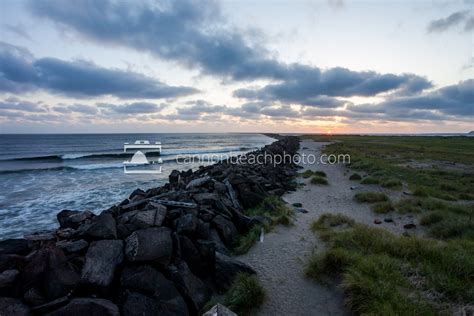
[
  {"x": 370, "y": 197},
  {"x": 383, "y": 207},
  {"x": 309, "y": 173},
  {"x": 355, "y": 177},
  {"x": 245, "y": 295},
  {"x": 385, "y": 274},
  {"x": 370, "y": 180},
  {"x": 277, "y": 212},
  {"x": 319, "y": 180}
]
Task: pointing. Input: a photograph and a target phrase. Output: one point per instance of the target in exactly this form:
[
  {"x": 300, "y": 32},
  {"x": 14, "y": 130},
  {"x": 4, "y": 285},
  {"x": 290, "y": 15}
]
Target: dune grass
[
  {"x": 438, "y": 167},
  {"x": 385, "y": 274},
  {"x": 370, "y": 197},
  {"x": 355, "y": 177},
  {"x": 383, "y": 207},
  {"x": 310, "y": 173},
  {"x": 319, "y": 180},
  {"x": 275, "y": 210},
  {"x": 245, "y": 295}
]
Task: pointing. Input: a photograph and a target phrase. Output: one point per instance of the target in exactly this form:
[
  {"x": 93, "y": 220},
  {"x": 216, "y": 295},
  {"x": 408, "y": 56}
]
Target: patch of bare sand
[{"x": 280, "y": 259}]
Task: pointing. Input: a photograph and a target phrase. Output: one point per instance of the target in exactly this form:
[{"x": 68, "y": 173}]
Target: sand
[{"x": 280, "y": 259}]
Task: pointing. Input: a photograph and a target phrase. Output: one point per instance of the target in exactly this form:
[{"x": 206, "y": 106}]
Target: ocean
[{"x": 41, "y": 175}]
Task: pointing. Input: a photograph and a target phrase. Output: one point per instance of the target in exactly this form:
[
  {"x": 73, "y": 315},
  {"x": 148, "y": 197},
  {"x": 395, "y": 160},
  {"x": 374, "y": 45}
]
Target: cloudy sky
[{"x": 231, "y": 66}]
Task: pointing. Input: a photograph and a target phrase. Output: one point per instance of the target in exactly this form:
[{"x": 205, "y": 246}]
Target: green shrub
[
  {"x": 245, "y": 242},
  {"x": 391, "y": 183},
  {"x": 355, "y": 177},
  {"x": 383, "y": 207},
  {"x": 319, "y": 180},
  {"x": 320, "y": 173},
  {"x": 246, "y": 294},
  {"x": 306, "y": 174},
  {"x": 370, "y": 197},
  {"x": 370, "y": 180}
]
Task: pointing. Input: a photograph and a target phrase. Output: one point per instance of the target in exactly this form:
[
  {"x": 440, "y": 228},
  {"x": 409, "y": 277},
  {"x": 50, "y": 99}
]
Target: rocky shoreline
[{"x": 160, "y": 252}]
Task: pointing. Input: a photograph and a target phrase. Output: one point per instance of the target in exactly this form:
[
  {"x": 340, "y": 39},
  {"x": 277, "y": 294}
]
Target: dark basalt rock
[
  {"x": 102, "y": 259},
  {"x": 195, "y": 292},
  {"x": 87, "y": 306},
  {"x": 72, "y": 219},
  {"x": 226, "y": 269},
  {"x": 226, "y": 229},
  {"x": 72, "y": 246},
  {"x": 187, "y": 224},
  {"x": 13, "y": 307},
  {"x": 14, "y": 246},
  {"x": 149, "y": 244},
  {"x": 102, "y": 227},
  {"x": 140, "y": 304}
]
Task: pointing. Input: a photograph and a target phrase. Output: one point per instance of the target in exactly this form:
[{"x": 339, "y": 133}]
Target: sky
[{"x": 110, "y": 66}]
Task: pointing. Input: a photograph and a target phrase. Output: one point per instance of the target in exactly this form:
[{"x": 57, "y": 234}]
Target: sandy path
[{"x": 280, "y": 259}]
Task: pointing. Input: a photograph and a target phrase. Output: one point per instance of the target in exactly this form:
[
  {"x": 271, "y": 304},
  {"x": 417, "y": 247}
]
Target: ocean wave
[{"x": 109, "y": 155}]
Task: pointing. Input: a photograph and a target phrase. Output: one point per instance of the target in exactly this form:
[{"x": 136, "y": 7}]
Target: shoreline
[{"x": 181, "y": 232}]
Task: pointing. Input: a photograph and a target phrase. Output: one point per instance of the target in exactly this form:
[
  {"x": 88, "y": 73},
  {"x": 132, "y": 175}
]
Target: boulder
[
  {"x": 191, "y": 287},
  {"x": 147, "y": 280},
  {"x": 14, "y": 246},
  {"x": 174, "y": 176},
  {"x": 149, "y": 244},
  {"x": 137, "y": 192},
  {"x": 72, "y": 246},
  {"x": 198, "y": 182},
  {"x": 7, "y": 278},
  {"x": 13, "y": 307},
  {"x": 139, "y": 304},
  {"x": 226, "y": 229},
  {"x": 72, "y": 219},
  {"x": 187, "y": 224},
  {"x": 206, "y": 198},
  {"x": 190, "y": 254},
  {"x": 217, "y": 241},
  {"x": 149, "y": 218},
  {"x": 102, "y": 227},
  {"x": 226, "y": 269},
  {"x": 87, "y": 306},
  {"x": 102, "y": 259},
  {"x": 50, "y": 306}
]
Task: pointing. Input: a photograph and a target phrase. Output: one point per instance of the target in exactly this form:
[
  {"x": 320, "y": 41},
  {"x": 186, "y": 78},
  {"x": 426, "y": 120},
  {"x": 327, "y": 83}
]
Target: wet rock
[
  {"x": 206, "y": 198},
  {"x": 14, "y": 246},
  {"x": 7, "y": 278},
  {"x": 147, "y": 280},
  {"x": 409, "y": 226},
  {"x": 13, "y": 307},
  {"x": 187, "y": 224},
  {"x": 102, "y": 227},
  {"x": 226, "y": 229},
  {"x": 174, "y": 176},
  {"x": 137, "y": 192},
  {"x": 226, "y": 270},
  {"x": 102, "y": 259},
  {"x": 50, "y": 306},
  {"x": 196, "y": 292},
  {"x": 72, "y": 219},
  {"x": 377, "y": 221},
  {"x": 297, "y": 204},
  {"x": 388, "y": 220},
  {"x": 149, "y": 244},
  {"x": 139, "y": 304},
  {"x": 87, "y": 306},
  {"x": 149, "y": 218},
  {"x": 217, "y": 242},
  {"x": 198, "y": 182},
  {"x": 72, "y": 246}
]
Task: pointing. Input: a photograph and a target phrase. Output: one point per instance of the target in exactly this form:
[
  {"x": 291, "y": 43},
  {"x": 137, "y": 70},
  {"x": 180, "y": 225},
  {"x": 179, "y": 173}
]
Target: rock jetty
[{"x": 164, "y": 251}]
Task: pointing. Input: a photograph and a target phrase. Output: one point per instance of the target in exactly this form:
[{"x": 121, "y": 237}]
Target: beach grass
[
  {"x": 370, "y": 197},
  {"x": 394, "y": 275},
  {"x": 245, "y": 295},
  {"x": 355, "y": 177},
  {"x": 319, "y": 180},
  {"x": 310, "y": 173},
  {"x": 383, "y": 207},
  {"x": 277, "y": 212}
]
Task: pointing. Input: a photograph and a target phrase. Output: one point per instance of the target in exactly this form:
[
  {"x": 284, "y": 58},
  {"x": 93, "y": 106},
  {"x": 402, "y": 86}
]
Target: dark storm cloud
[
  {"x": 195, "y": 34},
  {"x": 317, "y": 88},
  {"x": 455, "y": 100},
  {"x": 444, "y": 24},
  {"x": 21, "y": 72}
]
